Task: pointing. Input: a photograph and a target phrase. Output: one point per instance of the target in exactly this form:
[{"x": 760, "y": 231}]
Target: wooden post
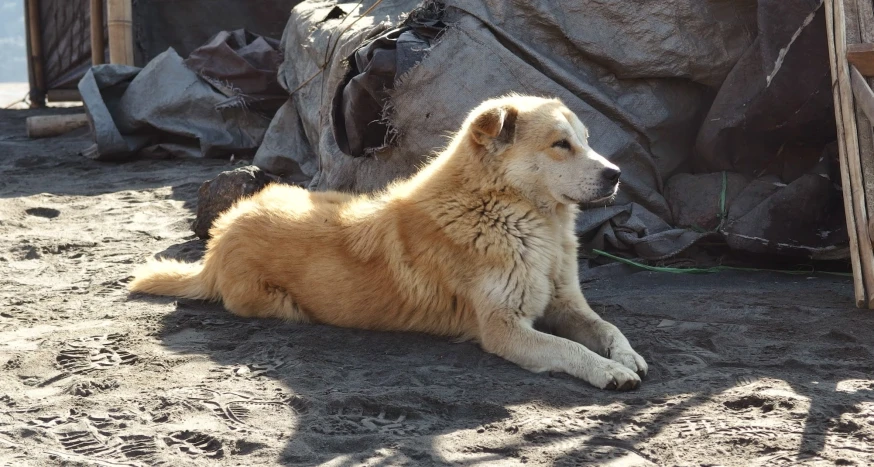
[
  {"x": 63, "y": 95},
  {"x": 34, "y": 44},
  {"x": 119, "y": 23},
  {"x": 861, "y": 252},
  {"x": 53, "y": 125},
  {"x": 98, "y": 41}
]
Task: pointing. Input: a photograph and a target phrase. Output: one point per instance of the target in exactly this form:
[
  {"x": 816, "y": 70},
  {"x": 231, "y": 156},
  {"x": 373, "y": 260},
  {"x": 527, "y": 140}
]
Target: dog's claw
[{"x": 612, "y": 385}]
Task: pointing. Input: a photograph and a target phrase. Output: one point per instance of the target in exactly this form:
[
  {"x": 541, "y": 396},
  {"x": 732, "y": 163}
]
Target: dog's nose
[{"x": 611, "y": 175}]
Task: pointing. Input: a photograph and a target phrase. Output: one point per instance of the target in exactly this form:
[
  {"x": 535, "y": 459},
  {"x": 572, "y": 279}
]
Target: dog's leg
[
  {"x": 571, "y": 317},
  {"x": 505, "y": 334}
]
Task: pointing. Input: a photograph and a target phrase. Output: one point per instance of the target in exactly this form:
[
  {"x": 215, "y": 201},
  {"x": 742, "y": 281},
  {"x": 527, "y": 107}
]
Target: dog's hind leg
[{"x": 262, "y": 301}]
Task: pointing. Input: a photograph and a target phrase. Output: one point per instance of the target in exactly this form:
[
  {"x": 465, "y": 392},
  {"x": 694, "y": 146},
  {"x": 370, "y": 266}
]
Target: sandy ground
[
  {"x": 13, "y": 93},
  {"x": 746, "y": 369},
  {"x": 12, "y": 97}
]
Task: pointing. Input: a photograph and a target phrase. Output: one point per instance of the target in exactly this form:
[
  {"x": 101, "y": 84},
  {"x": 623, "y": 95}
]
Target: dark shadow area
[
  {"x": 31, "y": 166},
  {"x": 742, "y": 365}
]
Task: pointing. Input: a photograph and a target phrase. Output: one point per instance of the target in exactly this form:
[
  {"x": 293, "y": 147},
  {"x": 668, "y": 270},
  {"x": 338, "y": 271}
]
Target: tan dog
[{"x": 479, "y": 244}]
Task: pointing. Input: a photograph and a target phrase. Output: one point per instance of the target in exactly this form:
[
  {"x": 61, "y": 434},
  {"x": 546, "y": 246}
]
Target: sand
[{"x": 746, "y": 369}]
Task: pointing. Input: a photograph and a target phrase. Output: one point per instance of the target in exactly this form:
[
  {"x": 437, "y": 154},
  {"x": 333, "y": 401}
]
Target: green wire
[
  {"x": 712, "y": 269},
  {"x": 722, "y": 217},
  {"x": 722, "y": 214}
]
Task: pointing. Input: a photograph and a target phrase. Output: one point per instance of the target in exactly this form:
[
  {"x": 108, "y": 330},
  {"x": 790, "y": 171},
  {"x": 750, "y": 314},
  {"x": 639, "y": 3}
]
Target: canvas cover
[
  {"x": 718, "y": 111},
  {"x": 216, "y": 103}
]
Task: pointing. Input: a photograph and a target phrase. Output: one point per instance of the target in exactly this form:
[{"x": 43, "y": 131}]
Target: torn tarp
[
  {"x": 359, "y": 122},
  {"x": 217, "y": 103},
  {"x": 677, "y": 87}
]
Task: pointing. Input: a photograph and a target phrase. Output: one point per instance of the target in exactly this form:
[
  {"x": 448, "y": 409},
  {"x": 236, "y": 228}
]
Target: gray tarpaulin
[
  {"x": 718, "y": 111},
  {"x": 217, "y": 103}
]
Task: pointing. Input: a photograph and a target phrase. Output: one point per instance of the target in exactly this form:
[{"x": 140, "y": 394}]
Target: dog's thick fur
[{"x": 479, "y": 244}]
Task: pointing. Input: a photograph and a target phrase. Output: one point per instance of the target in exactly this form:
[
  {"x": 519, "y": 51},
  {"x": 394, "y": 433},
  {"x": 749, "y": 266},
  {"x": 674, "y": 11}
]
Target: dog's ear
[{"x": 495, "y": 127}]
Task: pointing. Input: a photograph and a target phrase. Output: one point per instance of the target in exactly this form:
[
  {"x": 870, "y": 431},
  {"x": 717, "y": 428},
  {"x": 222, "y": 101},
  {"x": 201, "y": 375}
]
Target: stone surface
[{"x": 217, "y": 195}]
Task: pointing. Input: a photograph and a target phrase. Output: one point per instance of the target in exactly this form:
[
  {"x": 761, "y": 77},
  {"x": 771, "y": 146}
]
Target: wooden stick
[
  {"x": 862, "y": 92},
  {"x": 54, "y": 125},
  {"x": 853, "y": 153},
  {"x": 861, "y": 56},
  {"x": 832, "y": 25},
  {"x": 63, "y": 95},
  {"x": 854, "y": 19},
  {"x": 35, "y": 45},
  {"x": 119, "y": 22},
  {"x": 865, "y": 14},
  {"x": 98, "y": 41}
]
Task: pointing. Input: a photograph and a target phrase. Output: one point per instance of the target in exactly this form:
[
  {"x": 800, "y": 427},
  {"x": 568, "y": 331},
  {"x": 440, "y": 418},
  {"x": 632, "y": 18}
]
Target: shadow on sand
[{"x": 756, "y": 366}]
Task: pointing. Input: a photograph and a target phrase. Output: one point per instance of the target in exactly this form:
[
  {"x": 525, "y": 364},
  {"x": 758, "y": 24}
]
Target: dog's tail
[{"x": 175, "y": 279}]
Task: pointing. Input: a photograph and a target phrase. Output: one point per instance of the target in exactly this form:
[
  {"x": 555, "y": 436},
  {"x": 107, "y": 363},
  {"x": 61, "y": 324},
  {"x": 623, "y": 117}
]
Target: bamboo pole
[
  {"x": 98, "y": 41},
  {"x": 859, "y": 161},
  {"x": 866, "y": 31},
  {"x": 44, "y": 126},
  {"x": 119, "y": 23},
  {"x": 854, "y": 22},
  {"x": 858, "y": 284},
  {"x": 35, "y": 46},
  {"x": 861, "y": 254}
]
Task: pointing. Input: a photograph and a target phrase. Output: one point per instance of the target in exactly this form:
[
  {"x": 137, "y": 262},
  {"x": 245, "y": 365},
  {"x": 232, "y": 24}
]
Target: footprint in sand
[
  {"x": 699, "y": 426},
  {"x": 47, "y": 213},
  {"x": 196, "y": 444},
  {"x": 99, "y": 438},
  {"x": 90, "y": 354},
  {"x": 266, "y": 363},
  {"x": 356, "y": 415},
  {"x": 245, "y": 411}
]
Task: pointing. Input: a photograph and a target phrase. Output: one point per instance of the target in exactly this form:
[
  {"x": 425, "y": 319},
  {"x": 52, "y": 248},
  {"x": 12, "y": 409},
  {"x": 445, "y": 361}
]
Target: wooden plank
[
  {"x": 843, "y": 142},
  {"x": 119, "y": 21},
  {"x": 863, "y": 145},
  {"x": 63, "y": 95},
  {"x": 98, "y": 41},
  {"x": 854, "y": 166},
  {"x": 865, "y": 10},
  {"x": 35, "y": 59},
  {"x": 863, "y": 93},
  {"x": 859, "y": 17},
  {"x": 861, "y": 56}
]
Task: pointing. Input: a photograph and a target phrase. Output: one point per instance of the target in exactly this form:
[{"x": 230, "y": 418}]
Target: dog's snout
[{"x": 611, "y": 174}]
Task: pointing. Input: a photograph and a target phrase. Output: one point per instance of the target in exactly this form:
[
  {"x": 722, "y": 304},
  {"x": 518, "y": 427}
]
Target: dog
[{"x": 478, "y": 244}]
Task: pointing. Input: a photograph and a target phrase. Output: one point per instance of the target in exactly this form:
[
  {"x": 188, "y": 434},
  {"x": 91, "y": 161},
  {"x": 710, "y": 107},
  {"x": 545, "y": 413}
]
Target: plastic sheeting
[
  {"x": 676, "y": 88},
  {"x": 217, "y": 103}
]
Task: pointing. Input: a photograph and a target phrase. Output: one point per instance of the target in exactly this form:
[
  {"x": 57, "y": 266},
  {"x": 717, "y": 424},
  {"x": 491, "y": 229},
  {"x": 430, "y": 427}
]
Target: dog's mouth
[{"x": 606, "y": 199}]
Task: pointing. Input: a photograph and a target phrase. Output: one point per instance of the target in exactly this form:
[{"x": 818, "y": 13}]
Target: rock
[{"x": 217, "y": 195}]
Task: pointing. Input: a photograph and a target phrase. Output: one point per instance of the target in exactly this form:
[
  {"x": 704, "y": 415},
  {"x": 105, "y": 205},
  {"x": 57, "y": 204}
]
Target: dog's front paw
[
  {"x": 615, "y": 377},
  {"x": 629, "y": 359}
]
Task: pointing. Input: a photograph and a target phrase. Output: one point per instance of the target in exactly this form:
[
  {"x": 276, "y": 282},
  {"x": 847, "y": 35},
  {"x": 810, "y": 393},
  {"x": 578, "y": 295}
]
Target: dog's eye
[{"x": 564, "y": 144}]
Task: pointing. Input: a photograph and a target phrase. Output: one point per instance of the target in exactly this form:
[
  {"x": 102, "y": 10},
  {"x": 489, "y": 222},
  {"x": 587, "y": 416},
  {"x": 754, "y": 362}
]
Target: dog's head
[{"x": 541, "y": 148}]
